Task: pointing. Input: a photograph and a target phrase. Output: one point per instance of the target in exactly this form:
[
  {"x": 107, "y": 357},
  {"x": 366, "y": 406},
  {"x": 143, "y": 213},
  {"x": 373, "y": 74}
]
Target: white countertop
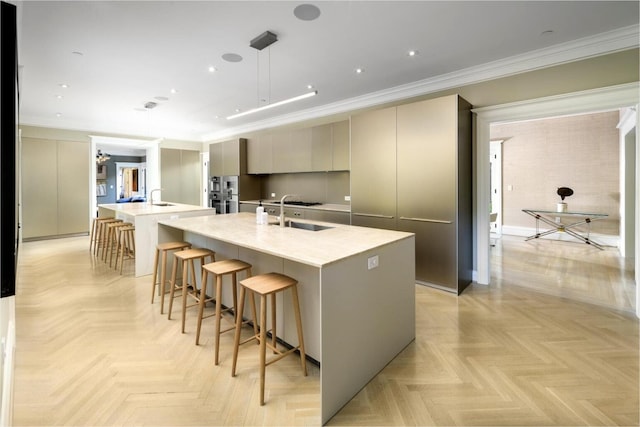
[
  {"x": 144, "y": 208},
  {"x": 322, "y": 207},
  {"x": 315, "y": 248}
]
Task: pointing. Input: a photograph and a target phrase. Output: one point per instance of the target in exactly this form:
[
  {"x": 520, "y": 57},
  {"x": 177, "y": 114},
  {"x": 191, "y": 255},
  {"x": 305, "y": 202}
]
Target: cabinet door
[
  {"x": 321, "y": 150},
  {"x": 39, "y": 170},
  {"x": 300, "y": 147},
  {"x": 215, "y": 159},
  {"x": 170, "y": 175},
  {"x": 373, "y": 168},
  {"x": 189, "y": 178},
  {"x": 427, "y": 186},
  {"x": 280, "y": 147},
  {"x": 427, "y": 163},
  {"x": 259, "y": 154},
  {"x": 73, "y": 187},
  {"x": 231, "y": 158},
  {"x": 340, "y": 146}
]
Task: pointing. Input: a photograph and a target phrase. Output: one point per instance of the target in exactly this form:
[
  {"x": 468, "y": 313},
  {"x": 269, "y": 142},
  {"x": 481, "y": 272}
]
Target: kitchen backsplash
[{"x": 325, "y": 187}]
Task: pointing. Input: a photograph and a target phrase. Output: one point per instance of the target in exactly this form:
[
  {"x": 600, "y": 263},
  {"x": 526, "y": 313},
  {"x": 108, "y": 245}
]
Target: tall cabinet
[
  {"x": 411, "y": 171},
  {"x": 55, "y": 182}
]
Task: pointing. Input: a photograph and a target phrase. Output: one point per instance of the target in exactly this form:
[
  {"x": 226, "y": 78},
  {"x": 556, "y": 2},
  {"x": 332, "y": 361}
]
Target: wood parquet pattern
[{"x": 92, "y": 350}]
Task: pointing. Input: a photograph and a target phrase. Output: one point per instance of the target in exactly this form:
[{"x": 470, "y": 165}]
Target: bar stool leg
[
  {"x": 174, "y": 273},
  {"x": 263, "y": 344},
  {"x": 155, "y": 273},
  {"x": 296, "y": 309},
  {"x": 218, "y": 314},
  {"x": 203, "y": 295},
  {"x": 236, "y": 339}
]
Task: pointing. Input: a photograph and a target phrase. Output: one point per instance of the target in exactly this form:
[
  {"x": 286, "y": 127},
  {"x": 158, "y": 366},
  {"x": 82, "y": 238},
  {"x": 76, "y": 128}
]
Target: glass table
[{"x": 573, "y": 220}]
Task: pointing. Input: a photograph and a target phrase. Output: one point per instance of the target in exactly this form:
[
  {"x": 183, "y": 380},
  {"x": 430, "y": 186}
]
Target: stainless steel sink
[
  {"x": 307, "y": 226},
  {"x": 162, "y": 204}
]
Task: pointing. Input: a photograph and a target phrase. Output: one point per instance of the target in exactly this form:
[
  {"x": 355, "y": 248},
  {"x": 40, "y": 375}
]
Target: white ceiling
[{"x": 117, "y": 56}]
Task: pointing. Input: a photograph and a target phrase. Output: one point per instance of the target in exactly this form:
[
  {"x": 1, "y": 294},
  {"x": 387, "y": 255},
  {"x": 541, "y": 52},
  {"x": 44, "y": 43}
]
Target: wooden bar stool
[
  {"x": 93, "y": 236},
  {"x": 164, "y": 248},
  {"x": 101, "y": 233},
  {"x": 187, "y": 259},
  {"x": 127, "y": 245},
  {"x": 111, "y": 242},
  {"x": 220, "y": 269},
  {"x": 265, "y": 285}
]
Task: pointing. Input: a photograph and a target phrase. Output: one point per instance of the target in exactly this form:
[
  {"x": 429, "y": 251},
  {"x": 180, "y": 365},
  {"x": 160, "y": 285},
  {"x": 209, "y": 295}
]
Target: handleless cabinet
[
  {"x": 340, "y": 143},
  {"x": 411, "y": 171},
  {"x": 228, "y": 158},
  {"x": 373, "y": 169},
  {"x": 55, "y": 182},
  {"x": 434, "y": 197},
  {"x": 260, "y": 154}
]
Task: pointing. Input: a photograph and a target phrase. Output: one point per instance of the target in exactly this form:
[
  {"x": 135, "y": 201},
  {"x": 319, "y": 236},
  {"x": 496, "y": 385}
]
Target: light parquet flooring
[{"x": 92, "y": 350}]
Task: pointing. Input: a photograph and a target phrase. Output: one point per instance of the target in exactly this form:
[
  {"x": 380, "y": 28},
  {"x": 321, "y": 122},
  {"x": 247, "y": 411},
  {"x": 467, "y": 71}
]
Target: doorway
[
  {"x": 600, "y": 99},
  {"x": 130, "y": 180}
]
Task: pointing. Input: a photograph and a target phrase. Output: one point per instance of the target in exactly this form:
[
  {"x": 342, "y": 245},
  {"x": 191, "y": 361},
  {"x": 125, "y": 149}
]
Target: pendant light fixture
[
  {"x": 266, "y": 39},
  {"x": 102, "y": 157}
]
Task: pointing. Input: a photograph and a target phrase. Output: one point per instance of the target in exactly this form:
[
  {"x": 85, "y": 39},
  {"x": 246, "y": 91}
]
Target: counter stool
[
  {"x": 93, "y": 236},
  {"x": 164, "y": 248},
  {"x": 219, "y": 269},
  {"x": 101, "y": 233},
  {"x": 265, "y": 285},
  {"x": 187, "y": 259},
  {"x": 111, "y": 242},
  {"x": 126, "y": 245}
]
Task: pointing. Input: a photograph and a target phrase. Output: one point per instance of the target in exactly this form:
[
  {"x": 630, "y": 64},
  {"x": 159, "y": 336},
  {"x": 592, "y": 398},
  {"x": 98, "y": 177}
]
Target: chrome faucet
[
  {"x": 282, "y": 208},
  {"x": 151, "y": 194}
]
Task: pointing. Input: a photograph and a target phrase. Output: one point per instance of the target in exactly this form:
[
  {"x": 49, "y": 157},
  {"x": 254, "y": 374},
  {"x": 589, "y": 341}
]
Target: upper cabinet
[
  {"x": 228, "y": 158},
  {"x": 315, "y": 149}
]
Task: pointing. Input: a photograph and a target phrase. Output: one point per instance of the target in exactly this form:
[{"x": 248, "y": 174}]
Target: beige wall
[{"x": 580, "y": 152}]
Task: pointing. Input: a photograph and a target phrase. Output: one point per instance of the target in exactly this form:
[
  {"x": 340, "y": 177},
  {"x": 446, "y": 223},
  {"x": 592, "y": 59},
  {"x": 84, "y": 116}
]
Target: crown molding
[{"x": 584, "y": 48}]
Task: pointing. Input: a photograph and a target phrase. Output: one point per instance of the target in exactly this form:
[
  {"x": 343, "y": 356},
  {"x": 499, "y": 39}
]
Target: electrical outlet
[
  {"x": 372, "y": 262},
  {"x": 347, "y": 198},
  {"x": 273, "y": 194}
]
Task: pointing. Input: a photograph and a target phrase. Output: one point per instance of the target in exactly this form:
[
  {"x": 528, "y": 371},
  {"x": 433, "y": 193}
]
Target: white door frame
[
  {"x": 495, "y": 158},
  {"x": 589, "y": 101}
]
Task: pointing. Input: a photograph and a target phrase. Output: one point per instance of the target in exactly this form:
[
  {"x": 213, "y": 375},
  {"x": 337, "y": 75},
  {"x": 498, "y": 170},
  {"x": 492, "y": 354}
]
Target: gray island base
[{"x": 356, "y": 286}]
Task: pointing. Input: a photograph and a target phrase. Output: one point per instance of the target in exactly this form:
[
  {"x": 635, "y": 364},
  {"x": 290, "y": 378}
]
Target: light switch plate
[
  {"x": 372, "y": 262},
  {"x": 273, "y": 194},
  {"x": 347, "y": 198}
]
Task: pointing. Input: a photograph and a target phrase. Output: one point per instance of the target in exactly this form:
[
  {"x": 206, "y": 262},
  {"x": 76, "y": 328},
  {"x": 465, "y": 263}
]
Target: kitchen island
[
  {"x": 356, "y": 288},
  {"x": 145, "y": 217}
]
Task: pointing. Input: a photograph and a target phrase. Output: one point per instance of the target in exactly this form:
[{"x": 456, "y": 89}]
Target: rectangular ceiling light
[{"x": 275, "y": 104}]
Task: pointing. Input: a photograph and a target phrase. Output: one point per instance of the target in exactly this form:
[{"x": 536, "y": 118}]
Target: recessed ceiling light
[
  {"x": 412, "y": 52},
  {"x": 359, "y": 70},
  {"x": 306, "y": 12},
  {"x": 238, "y": 110},
  {"x": 161, "y": 98},
  {"x": 77, "y": 53},
  {"x": 309, "y": 86},
  {"x": 232, "y": 57},
  {"x": 59, "y": 96},
  {"x": 64, "y": 85},
  {"x": 212, "y": 69},
  {"x": 174, "y": 90},
  {"x": 58, "y": 114},
  {"x": 546, "y": 33}
]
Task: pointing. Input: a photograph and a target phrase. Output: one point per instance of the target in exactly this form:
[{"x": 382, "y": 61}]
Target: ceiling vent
[{"x": 149, "y": 105}]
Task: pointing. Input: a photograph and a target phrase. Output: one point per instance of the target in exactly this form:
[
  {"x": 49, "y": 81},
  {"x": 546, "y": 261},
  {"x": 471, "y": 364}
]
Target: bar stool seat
[
  {"x": 187, "y": 258},
  {"x": 265, "y": 285},
  {"x": 220, "y": 269},
  {"x": 164, "y": 248}
]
